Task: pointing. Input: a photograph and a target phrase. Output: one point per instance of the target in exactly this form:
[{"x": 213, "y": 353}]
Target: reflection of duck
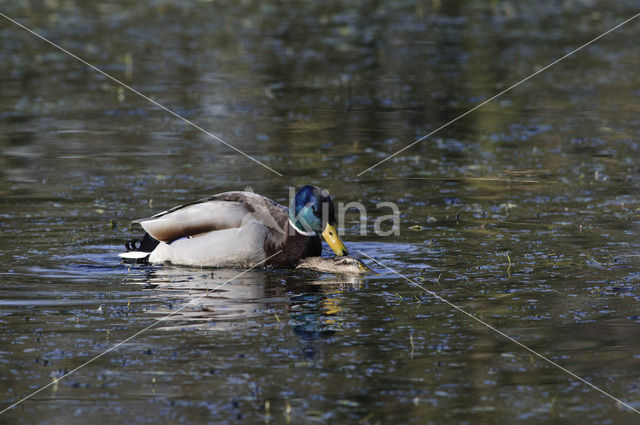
[
  {"x": 240, "y": 229},
  {"x": 217, "y": 300},
  {"x": 211, "y": 300}
]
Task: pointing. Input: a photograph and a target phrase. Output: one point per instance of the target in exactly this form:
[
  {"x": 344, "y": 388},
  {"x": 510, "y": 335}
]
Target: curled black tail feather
[
  {"x": 132, "y": 245},
  {"x": 147, "y": 244}
]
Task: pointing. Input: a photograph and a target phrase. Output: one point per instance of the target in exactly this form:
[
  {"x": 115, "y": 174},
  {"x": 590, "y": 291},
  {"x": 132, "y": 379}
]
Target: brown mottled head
[{"x": 340, "y": 265}]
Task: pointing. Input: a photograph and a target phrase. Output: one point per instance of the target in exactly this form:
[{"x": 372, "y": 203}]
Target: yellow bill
[{"x": 330, "y": 235}]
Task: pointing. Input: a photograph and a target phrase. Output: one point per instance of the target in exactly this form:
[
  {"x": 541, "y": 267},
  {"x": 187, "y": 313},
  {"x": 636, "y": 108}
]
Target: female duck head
[{"x": 312, "y": 211}]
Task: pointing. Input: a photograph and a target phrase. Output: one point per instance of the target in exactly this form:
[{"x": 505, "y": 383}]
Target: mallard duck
[
  {"x": 239, "y": 229},
  {"x": 339, "y": 265}
]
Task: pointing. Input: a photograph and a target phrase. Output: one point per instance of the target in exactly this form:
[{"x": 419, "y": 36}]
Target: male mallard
[{"x": 239, "y": 229}]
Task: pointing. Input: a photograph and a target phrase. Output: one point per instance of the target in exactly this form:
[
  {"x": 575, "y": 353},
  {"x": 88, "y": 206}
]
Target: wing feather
[{"x": 224, "y": 211}]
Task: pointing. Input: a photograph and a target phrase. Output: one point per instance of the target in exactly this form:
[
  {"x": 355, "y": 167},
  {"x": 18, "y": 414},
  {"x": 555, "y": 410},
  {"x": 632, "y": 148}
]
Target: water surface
[{"x": 524, "y": 213}]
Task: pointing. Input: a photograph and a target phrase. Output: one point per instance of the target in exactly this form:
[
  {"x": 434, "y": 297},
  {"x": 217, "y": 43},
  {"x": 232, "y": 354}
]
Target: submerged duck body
[
  {"x": 338, "y": 265},
  {"x": 239, "y": 229}
]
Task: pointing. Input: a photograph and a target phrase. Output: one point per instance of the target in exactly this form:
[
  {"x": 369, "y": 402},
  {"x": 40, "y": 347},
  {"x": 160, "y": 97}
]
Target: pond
[{"x": 523, "y": 213}]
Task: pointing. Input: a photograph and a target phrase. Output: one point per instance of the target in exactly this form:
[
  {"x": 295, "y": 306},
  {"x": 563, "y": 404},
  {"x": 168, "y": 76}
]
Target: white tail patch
[{"x": 134, "y": 255}]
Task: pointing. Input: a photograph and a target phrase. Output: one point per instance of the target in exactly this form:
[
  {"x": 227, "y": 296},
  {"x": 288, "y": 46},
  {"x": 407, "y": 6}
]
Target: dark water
[{"x": 525, "y": 212}]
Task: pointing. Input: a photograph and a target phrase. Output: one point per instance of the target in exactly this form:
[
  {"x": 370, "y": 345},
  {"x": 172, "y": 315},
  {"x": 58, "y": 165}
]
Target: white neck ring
[{"x": 302, "y": 232}]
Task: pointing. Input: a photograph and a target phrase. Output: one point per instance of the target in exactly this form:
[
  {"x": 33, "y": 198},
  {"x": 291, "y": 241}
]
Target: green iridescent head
[{"x": 312, "y": 211}]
